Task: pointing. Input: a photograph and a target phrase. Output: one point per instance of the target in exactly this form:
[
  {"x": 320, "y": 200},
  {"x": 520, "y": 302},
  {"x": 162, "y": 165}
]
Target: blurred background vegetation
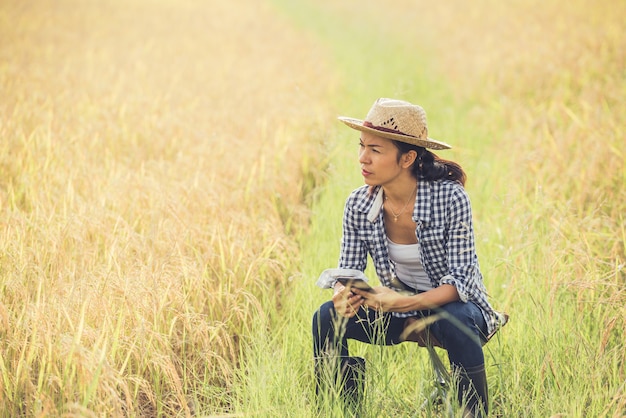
[{"x": 172, "y": 178}]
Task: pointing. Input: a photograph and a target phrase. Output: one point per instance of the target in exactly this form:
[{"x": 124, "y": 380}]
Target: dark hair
[{"x": 428, "y": 166}]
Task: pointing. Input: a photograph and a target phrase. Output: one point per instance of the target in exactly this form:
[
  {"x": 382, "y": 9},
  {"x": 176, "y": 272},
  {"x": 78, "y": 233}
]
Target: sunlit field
[
  {"x": 172, "y": 178},
  {"x": 153, "y": 169}
]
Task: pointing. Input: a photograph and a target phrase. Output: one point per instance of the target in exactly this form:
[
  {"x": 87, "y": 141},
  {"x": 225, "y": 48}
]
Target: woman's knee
[
  {"x": 323, "y": 317},
  {"x": 460, "y": 322}
]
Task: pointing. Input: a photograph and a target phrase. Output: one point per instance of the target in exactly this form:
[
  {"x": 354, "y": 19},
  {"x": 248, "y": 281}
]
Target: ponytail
[{"x": 429, "y": 166}]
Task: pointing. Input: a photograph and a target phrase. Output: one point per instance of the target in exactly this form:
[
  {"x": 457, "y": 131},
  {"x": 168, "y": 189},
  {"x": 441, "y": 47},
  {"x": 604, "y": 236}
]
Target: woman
[{"x": 413, "y": 217}]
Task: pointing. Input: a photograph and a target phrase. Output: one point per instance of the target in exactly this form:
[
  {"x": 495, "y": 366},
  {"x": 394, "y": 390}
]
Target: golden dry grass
[{"x": 151, "y": 171}]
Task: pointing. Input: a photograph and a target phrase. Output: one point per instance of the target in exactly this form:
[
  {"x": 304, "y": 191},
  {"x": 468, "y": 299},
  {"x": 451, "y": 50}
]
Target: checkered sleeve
[
  {"x": 353, "y": 254},
  {"x": 464, "y": 272}
]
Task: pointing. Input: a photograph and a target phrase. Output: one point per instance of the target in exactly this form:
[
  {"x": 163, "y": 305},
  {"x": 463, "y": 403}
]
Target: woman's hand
[
  {"x": 382, "y": 299},
  {"x": 346, "y": 302}
]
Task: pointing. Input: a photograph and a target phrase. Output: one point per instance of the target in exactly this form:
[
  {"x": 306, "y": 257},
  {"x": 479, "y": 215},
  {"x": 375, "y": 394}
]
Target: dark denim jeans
[{"x": 460, "y": 331}]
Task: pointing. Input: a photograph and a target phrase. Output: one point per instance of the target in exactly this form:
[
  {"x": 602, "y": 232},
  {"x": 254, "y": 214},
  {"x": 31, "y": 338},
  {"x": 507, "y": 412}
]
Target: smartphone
[
  {"x": 347, "y": 277},
  {"x": 351, "y": 282}
]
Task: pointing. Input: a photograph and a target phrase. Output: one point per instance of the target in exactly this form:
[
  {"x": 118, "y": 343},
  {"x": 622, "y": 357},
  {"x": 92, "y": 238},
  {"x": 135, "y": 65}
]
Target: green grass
[{"x": 551, "y": 257}]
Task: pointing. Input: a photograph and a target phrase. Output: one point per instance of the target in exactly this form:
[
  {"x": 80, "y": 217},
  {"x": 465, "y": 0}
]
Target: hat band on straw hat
[
  {"x": 396, "y": 120},
  {"x": 383, "y": 129}
]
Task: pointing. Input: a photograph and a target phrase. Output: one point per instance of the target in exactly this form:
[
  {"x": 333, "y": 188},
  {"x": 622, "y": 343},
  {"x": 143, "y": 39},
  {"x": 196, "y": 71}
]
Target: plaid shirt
[{"x": 443, "y": 218}]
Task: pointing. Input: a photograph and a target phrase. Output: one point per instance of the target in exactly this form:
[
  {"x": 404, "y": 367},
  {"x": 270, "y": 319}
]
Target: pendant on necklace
[{"x": 395, "y": 218}]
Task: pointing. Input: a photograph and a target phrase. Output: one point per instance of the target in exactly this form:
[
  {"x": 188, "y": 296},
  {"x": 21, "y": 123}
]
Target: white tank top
[{"x": 409, "y": 267}]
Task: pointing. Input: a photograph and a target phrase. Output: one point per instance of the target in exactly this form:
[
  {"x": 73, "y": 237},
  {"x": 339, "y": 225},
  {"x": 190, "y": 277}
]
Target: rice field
[
  {"x": 172, "y": 178},
  {"x": 152, "y": 175}
]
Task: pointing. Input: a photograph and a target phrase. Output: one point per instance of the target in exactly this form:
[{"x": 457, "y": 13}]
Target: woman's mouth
[{"x": 365, "y": 173}]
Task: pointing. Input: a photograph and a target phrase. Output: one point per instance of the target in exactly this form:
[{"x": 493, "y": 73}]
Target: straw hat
[{"x": 399, "y": 120}]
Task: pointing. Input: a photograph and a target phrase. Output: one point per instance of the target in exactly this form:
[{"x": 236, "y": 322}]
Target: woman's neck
[{"x": 400, "y": 191}]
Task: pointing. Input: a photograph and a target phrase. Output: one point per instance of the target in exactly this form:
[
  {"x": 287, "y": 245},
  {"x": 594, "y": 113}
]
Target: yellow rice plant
[{"x": 151, "y": 177}]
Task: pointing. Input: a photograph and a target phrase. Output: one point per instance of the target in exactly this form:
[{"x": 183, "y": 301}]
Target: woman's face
[{"x": 379, "y": 160}]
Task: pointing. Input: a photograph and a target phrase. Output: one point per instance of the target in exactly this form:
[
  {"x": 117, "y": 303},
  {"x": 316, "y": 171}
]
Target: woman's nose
[{"x": 363, "y": 158}]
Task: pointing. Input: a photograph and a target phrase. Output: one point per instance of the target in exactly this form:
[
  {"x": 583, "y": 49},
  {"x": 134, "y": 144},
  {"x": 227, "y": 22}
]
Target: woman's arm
[
  {"x": 353, "y": 252},
  {"x": 353, "y": 255},
  {"x": 462, "y": 260},
  {"x": 388, "y": 300}
]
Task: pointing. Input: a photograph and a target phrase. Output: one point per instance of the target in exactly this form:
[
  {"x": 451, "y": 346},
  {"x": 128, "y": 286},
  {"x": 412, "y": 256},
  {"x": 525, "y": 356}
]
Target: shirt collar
[{"x": 376, "y": 205}]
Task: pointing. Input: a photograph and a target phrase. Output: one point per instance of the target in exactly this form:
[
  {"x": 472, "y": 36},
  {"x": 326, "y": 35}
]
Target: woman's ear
[{"x": 408, "y": 159}]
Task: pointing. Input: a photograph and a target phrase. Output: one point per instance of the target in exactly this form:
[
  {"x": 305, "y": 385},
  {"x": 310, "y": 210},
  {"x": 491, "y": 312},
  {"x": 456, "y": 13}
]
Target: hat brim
[{"x": 429, "y": 143}]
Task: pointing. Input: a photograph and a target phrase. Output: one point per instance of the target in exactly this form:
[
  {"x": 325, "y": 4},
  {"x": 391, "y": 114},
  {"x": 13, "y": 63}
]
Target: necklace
[{"x": 396, "y": 215}]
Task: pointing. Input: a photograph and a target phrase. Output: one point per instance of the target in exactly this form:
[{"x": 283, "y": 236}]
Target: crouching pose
[{"x": 413, "y": 217}]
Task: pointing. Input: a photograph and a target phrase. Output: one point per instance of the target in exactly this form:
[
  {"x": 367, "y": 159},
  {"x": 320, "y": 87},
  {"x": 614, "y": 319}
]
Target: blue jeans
[{"x": 460, "y": 330}]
